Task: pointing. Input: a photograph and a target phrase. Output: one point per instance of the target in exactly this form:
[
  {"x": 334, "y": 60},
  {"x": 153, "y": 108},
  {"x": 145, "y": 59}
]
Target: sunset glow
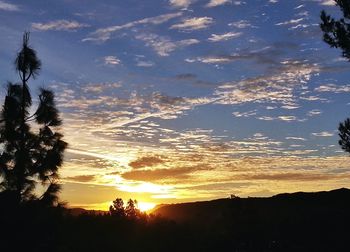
[
  {"x": 145, "y": 206},
  {"x": 175, "y": 101}
]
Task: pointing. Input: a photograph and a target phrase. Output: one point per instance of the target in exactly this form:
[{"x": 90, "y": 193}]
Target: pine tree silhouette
[
  {"x": 336, "y": 33},
  {"x": 29, "y": 158},
  {"x": 117, "y": 208}
]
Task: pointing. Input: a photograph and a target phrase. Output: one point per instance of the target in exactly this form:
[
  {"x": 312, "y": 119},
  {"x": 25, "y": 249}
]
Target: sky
[{"x": 170, "y": 101}]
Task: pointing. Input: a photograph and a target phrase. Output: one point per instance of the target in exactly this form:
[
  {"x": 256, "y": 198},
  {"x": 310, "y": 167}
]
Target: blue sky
[{"x": 178, "y": 100}]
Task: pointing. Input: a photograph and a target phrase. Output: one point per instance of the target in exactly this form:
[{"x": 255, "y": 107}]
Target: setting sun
[{"x": 145, "y": 206}]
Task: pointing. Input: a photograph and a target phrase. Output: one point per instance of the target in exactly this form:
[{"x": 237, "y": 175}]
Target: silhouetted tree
[
  {"x": 131, "y": 209},
  {"x": 336, "y": 33},
  {"x": 344, "y": 134},
  {"x": 117, "y": 209},
  {"x": 29, "y": 158}
]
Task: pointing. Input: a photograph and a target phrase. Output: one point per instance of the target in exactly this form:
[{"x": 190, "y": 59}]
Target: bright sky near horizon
[{"x": 180, "y": 100}]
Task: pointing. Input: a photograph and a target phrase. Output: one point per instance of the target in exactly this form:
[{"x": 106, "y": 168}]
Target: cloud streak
[
  {"x": 215, "y": 3},
  {"x": 163, "y": 46},
  {"x": 5, "y": 6},
  {"x": 59, "y": 25},
  {"x": 193, "y": 24},
  {"x": 224, "y": 36},
  {"x": 104, "y": 34},
  {"x": 181, "y": 3}
]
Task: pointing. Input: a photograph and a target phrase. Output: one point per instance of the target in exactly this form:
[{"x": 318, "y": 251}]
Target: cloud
[
  {"x": 146, "y": 162},
  {"x": 287, "y": 118},
  {"x": 160, "y": 174},
  {"x": 142, "y": 63},
  {"x": 284, "y": 118},
  {"x": 280, "y": 86},
  {"x": 181, "y": 3},
  {"x": 291, "y": 22},
  {"x": 59, "y": 25},
  {"x": 241, "y": 24},
  {"x": 80, "y": 178},
  {"x": 266, "y": 55},
  {"x": 296, "y": 138},
  {"x": 191, "y": 24},
  {"x": 244, "y": 114},
  {"x": 224, "y": 37},
  {"x": 100, "y": 87},
  {"x": 333, "y": 88},
  {"x": 291, "y": 176},
  {"x": 239, "y": 2},
  {"x": 214, "y": 3},
  {"x": 314, "y": 112},
  {"x": 325, "y": 2},
  {"x": 289, "y": 107},
  {"x": 111, "y": 60},
  {"x": 323, "y": 134},
  {"x": 8, "y": 6},
  {"x": 212, "y": 59},
  {"x": 163, "y": 46},
  {"x": 104, "y": 34}
]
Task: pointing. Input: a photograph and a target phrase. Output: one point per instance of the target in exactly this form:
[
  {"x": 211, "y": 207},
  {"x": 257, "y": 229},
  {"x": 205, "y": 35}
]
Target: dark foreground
[{"x": 287, "y": 222}]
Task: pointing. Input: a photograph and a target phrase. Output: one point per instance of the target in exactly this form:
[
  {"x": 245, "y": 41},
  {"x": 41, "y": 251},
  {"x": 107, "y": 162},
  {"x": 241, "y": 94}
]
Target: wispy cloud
[
  {"x": 241, "y": 24},
  {"x": 163, "y": 46},
  {"x": 278, "y": 87},
  {"x": 59, "y": 25},
  {"x": 8, "y": 6},
  {"x": 239, "y": 3},
  {"x": 224, "y": 37},
  {"x": 100, "y": 87},
  {"x": 314, "y": 112},
  {"x": 214, "y": 3},
  {"x": 104, "y": 34},
  {"x": 111, "y": 60},
  {"x": 325, "y": 2},
  {"x": 191, "y": 24},
  {"x": 142, "y": 63},
  {"x": 245, "y": 114},
  {"x": 296, "y": 138},
  {"x": 181, "y": 3},
  {"x": 291, "y": 22},
  {"x": 262, "y": 56},
  {"x": 147, "y": 161},
  {"x": 80, "y": 178},
  {"x": 333, "y": 88},
  {"x": 287, "y": 118},
  {"x": 323, "y": 134}
]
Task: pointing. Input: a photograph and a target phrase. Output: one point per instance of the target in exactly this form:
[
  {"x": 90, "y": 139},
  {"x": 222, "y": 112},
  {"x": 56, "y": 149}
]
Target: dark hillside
[
  {"x": 287, "y": 204},
  {"x": 286, "y": 222}
]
